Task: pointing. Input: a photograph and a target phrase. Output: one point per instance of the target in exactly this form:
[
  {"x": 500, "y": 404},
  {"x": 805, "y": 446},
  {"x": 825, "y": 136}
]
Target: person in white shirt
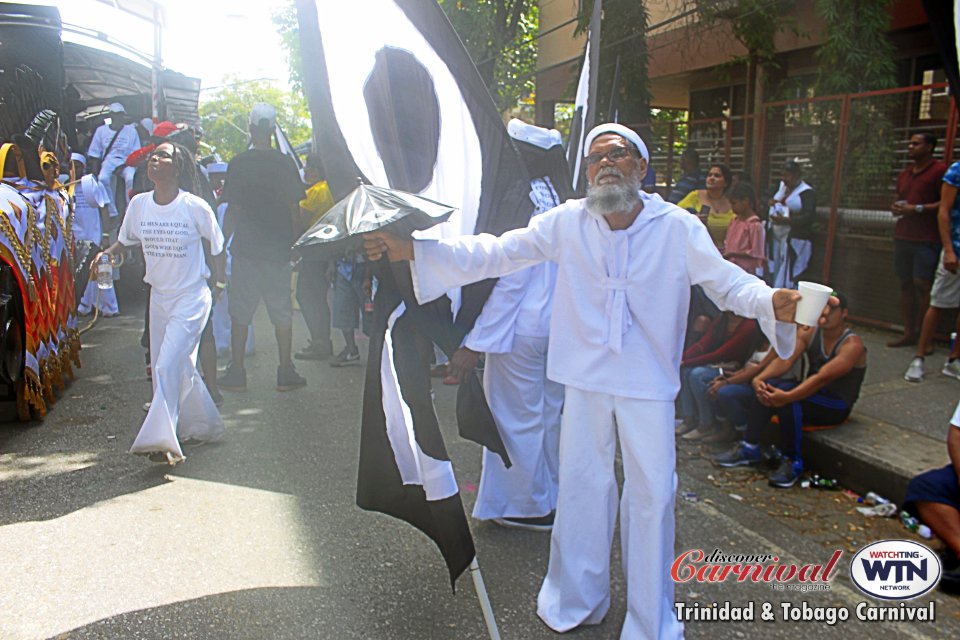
[
  {"x": 512, "y": 330},
  {"x": 625, "y": 263},
  {"x": 109, "y": 148},
  {"x": 169, "y": 223},
  {"x": 91, "y": 200}
]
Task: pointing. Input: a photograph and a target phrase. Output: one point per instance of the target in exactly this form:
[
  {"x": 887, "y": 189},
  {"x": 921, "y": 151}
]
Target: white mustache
[{"x": 609, "y": 171}]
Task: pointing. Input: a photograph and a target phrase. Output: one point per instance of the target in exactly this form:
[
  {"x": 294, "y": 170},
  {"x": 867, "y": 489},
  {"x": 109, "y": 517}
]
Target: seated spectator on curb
[
  {"x": 935, "y": 496},
  {"x": 945, "y": 293},
  {"x": 731, "y": 391},
  {"x": 744, "y": 245},
  {"x": 837, "y": 364},
  {"x": 728, "y": 342}
]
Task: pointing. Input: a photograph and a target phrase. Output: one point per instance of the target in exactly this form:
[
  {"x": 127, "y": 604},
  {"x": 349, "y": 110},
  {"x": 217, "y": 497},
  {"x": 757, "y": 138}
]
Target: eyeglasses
[
  {"x": 614, "y": 155},
  {"x": 163, "y": 155}
]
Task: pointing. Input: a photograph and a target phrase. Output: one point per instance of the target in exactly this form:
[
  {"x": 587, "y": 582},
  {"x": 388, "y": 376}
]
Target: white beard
[{"x": 619, "y": 197}]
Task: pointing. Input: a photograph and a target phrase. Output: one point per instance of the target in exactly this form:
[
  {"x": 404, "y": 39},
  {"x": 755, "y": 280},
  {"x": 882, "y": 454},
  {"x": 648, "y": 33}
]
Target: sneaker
[
  {"x": 949, "y": 559},
  {"x": 314, "y": 351},
  {"x": 723, "y": 434},
  {"x": 951, "y": 368},
  {"x": 915, "y": 370},
  {"x": 541, "y": 523},
  {"x": 950, "y": 582},
  {"x": 233, "y": 379},
  {"x": 346, "y": 357},
  {"x": 681, "y": 427},
  {"x": 288, "y": 379},
  {"x": 741, "y": 455},
  {"x": 699, "y": 433},
  {"x": 786, "y": 474}
]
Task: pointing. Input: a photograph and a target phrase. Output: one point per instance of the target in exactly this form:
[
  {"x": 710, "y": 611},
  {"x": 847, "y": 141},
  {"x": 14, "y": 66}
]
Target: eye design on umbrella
[{"x": 326, "y": 232}]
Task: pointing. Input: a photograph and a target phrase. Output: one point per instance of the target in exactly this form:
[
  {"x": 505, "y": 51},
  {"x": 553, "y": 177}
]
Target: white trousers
[
  {"x": 107, "y": 302},
  {"x": 108, "y": 179},
  {"x": 526, "y": 406},
  {"x": 181, "y": 406},
  {"x": 576, "y": 590}
]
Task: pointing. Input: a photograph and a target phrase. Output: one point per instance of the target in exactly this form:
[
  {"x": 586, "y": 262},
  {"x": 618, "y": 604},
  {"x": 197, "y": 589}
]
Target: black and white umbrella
[{"x": 369, "y": 208}]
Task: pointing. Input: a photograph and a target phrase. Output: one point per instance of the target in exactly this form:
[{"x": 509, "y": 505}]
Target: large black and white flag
[
  {"x": 397, "y": 102},
  {"x": 585, "y": 103}
]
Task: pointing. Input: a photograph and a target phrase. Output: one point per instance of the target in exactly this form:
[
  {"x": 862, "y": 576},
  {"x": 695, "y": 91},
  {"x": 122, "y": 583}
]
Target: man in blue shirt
[
  {"x": 691, "y": 179},
  {"x": 945, "y": 293}
]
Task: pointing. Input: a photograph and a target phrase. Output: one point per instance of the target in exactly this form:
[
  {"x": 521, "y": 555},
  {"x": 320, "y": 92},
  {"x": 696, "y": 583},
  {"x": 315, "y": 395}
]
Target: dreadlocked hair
[{"x": 186, "y": 168}]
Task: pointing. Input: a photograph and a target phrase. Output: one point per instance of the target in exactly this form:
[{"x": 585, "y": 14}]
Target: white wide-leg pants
[
  {"x": 526, "y": 406},
  {"x": 181, "y": 404},
  {"x": 576, "y": 590}
]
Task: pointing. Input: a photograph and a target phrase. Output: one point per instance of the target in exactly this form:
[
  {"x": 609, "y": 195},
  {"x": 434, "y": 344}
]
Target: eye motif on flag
[
  {"x": 404, "y": 118},
  {"x": 397, "y": 102}
]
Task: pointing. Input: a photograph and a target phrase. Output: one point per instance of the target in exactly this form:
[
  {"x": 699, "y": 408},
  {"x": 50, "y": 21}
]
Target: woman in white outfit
[
  {"x": 170, "y": 224},
  {"x": 790, "y": 229}
]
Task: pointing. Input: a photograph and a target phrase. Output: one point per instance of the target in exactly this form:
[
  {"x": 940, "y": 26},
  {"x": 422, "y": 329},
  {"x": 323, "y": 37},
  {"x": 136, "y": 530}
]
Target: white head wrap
[
  {"x": 537, "y": 136},
  {"x": 616, "y": 129},
  {"x": 79, "y": 157}
]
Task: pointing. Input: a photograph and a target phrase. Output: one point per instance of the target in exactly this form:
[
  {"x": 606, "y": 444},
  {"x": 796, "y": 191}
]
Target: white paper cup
[{"x": 813, "y": 298}]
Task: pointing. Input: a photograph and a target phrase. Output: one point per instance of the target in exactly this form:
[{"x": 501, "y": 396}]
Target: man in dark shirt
[
  {"x": 263, "y": 189},
  {"x": 691, "y": 179},
  {"x": 916, "y": 237}
]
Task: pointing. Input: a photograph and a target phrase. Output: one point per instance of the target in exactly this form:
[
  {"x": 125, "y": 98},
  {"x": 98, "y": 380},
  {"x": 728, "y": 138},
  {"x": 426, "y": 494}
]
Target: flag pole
[{"x": 484, "y": 600}]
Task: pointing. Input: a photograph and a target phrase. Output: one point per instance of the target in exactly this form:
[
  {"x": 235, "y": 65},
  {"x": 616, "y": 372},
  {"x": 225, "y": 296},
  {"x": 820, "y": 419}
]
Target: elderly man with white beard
[{"x": 625, "y": 263}]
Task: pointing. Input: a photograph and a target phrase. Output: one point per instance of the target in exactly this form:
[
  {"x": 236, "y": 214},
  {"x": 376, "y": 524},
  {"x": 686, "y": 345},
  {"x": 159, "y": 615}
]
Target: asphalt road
[{"x": 259, "y": 537}]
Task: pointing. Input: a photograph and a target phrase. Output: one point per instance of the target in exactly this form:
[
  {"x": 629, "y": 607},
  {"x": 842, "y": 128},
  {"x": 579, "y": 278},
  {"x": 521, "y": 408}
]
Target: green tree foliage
[
  {"x": 224, "y": 115},
  {"x": 284, "y": 18},
  {"x": 754, "y": 23},
  {"x": 857, "y": 56},
  {"x": 622, "y": 33},
  {"x": 500, "y": 37}
]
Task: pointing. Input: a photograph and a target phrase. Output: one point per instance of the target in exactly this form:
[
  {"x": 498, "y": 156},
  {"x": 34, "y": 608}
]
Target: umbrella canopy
[{"x": 369, "y": 208}]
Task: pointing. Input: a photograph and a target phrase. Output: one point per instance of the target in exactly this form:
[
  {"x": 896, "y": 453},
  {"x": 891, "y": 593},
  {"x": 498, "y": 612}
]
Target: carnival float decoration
[{"x": 40, "y": 342}]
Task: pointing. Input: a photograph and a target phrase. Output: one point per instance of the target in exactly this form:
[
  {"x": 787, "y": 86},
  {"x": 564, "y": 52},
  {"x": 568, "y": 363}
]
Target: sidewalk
[{"x": 897, "y": 429}]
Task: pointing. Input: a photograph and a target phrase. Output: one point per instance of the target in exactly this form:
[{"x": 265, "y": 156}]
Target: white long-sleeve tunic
[{"x": 621, "y": 298}]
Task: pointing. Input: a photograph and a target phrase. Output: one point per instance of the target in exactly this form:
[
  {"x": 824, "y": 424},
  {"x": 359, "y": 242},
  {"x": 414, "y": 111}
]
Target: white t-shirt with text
[{"x": 171, "y": 239}]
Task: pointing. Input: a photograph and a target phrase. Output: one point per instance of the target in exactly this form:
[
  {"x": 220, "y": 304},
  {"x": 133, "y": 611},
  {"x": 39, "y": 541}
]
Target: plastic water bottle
[
  {"x": 874, "y": 498},
  {"x": 883, "y": 510},
  {"x": 914, "y": 525},
  {"x": 104, "y": 272}
]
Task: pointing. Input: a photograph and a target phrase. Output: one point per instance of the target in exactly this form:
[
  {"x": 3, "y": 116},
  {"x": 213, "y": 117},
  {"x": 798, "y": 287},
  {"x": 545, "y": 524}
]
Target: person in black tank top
[{"x": 837, "y": 361}]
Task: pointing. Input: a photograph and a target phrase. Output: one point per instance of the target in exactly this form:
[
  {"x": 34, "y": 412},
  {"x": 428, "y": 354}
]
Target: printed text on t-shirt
[{"x": 164, "y": 239}]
